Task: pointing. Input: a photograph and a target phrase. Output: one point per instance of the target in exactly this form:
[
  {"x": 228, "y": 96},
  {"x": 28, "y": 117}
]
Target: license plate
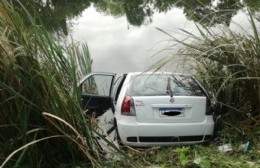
[{"x": 171, "y": 112}]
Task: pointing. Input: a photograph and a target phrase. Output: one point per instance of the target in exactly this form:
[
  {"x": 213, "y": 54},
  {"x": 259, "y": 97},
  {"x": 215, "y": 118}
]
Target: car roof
[{"x": 157, "y": 72}]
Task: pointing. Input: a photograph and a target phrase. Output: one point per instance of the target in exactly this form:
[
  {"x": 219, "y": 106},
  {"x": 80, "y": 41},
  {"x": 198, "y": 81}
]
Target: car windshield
[{"x": 163, "y": 84}]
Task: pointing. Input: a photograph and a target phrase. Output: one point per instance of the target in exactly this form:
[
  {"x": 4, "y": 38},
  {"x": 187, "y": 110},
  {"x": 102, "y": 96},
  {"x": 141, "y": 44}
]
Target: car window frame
[
  {"x": 118, "y": 86},
  {"x": 87, "y": 97}
]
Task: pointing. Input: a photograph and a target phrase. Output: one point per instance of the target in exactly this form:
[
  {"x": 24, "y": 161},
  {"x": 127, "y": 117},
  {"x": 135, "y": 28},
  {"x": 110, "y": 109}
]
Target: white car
[{"x": 151, "y": 108}]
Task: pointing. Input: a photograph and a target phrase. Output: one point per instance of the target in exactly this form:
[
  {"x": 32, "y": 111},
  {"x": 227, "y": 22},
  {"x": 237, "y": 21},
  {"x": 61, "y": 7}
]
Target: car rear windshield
[{"x": 164, "y": 84}]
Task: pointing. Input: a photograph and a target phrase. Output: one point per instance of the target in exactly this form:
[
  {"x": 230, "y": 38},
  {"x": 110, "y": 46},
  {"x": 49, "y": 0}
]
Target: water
[
  {"x": 122, "y": 35},
  {"x": 117, "y": 46}
]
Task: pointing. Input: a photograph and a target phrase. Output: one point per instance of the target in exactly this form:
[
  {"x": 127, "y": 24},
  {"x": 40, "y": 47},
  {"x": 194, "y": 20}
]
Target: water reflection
[
  {"x": 208, "y": 12},
  {"x": 56, "y": 14},
  {"x": 121, "y": 34},
  {"x": 116, "y": 46}
]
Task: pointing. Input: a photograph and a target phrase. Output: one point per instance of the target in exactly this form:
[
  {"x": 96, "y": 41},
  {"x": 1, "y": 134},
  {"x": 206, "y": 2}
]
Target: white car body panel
[
  {"x": 129, "y": 127},
  {"x": 149, "y": 123},
  {"x": 192, "y": 109}
]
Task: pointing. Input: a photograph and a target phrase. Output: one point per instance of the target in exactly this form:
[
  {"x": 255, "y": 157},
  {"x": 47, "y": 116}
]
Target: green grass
[{"x": 200, "y": 155}]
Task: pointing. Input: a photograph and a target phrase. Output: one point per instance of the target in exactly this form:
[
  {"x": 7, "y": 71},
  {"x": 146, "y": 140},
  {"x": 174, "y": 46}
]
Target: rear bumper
[{"x": 133, "y": 133}]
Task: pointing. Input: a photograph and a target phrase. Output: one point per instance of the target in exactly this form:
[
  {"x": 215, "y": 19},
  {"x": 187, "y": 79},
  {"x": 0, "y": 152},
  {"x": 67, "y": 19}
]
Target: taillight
[{"x": 128, "y": 107}]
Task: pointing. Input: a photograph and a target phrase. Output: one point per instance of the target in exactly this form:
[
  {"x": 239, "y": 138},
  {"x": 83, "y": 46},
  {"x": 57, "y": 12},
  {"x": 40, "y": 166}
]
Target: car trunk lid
[{"x": 166, "y": 109}]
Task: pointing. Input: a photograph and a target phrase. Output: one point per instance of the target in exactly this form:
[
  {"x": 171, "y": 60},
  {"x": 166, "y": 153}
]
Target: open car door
[{"x": 96, "y": 91}]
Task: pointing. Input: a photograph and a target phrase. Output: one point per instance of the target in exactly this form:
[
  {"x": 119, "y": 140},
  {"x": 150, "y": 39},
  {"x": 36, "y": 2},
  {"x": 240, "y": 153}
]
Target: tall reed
[
  {"x": 228, "y": 65},
  {"x": 41, "y": 121}
]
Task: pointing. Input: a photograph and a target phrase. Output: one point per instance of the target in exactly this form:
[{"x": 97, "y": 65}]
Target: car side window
[{"x": 99, "y": 85}]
